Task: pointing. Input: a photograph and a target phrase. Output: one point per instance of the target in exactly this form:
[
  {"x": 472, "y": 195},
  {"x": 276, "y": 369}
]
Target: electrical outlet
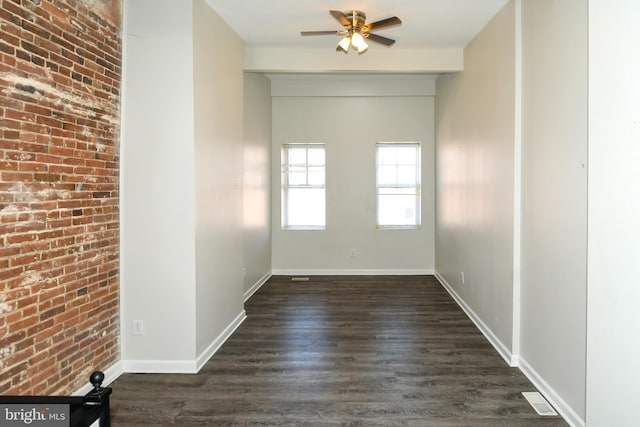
[
  {"x": 138, "y": 327},
  {"x": 462, "y": 277}
]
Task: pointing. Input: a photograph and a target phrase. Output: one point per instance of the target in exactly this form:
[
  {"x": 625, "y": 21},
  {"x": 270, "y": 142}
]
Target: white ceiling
[{"x": 425, "y": 23}]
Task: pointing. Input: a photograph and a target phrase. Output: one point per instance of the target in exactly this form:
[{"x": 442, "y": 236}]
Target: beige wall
[
  {"x": 257, "y": 180},
  {"x": 475, "y": 133},
  {"x": 218, "y": 124},
  {"x": 157, "y": 240},
  {"x": 350, "y": 126},
  {"x": 512, "y": 206},
  {"x": 554, "y": 190},
  {"x": 182, "y": 185}
]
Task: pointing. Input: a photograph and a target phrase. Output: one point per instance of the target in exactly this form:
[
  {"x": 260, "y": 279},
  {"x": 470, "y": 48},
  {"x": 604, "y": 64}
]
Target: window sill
[
  {"x": 397, "y": 227},
  {"x": 303, "y": 228}
]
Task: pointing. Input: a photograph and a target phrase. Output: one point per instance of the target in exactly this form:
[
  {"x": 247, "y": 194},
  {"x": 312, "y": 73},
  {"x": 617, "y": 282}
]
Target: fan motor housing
[{"x": 356, "y": 17}]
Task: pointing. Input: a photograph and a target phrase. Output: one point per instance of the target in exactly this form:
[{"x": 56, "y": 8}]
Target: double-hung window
[
  {"x": 303, "y": 186},
  {"x": 398, "y": 185}
]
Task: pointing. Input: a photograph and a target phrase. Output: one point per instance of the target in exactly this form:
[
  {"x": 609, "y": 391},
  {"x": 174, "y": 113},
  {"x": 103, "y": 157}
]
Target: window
[
  {"x": 398, "y": 185},
  {"x": 303, "y": 186}
]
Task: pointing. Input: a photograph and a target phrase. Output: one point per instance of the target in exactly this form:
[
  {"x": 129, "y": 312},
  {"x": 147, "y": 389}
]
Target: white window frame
[
  {"x": 287, "y": 185},
  {"x": 412, "y": 189}
]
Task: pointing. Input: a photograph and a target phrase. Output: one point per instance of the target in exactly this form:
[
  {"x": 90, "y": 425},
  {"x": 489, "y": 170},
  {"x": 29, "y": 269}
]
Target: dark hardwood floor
[{"x": 341, "y": 350}]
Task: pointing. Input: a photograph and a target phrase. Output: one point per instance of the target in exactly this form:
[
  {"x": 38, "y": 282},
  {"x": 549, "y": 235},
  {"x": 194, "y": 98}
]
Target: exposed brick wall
[{"x": 59, "y": 203}]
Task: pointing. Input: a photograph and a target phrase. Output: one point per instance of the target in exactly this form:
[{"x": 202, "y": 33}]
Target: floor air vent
[
  {"x": 539, "y": 403},
  {"x": 299, "y": 279}
]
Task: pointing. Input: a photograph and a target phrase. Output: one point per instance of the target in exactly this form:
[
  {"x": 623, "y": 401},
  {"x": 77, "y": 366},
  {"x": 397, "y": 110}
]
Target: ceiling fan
[{"x": 357, "y": 30}]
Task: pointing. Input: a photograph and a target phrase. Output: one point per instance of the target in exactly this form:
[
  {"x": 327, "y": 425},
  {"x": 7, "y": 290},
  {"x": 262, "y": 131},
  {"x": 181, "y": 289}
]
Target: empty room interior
[{"x": 170, "y": 169}]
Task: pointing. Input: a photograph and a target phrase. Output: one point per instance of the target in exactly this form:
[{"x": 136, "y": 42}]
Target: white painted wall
[
  {"x": 182, "y": 185},
  {"x": 350, "y": 126},
  {"x": 477, "y": 149},
  {"x": 157, "y": 170},
  {"x": 613, "y": 348},
  {"x": 257, "y": 179},
  {"x": 158, "y": 211},
  {"x": 475, "y": 134},
  {"x": 218, "y": 124},
  {"x": 377, "y": 59},
  {"x": 554, "y": 208}
]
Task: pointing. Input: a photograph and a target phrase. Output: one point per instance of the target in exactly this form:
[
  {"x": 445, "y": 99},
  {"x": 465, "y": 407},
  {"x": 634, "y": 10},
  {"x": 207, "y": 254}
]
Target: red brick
[
  {"x": 14, "y": 338},
  {"x": 56, "y": 13},
  {"x": 7, "y": 48},
  {"x": 10, "y": 273},
  {"x": 23, "y": 324},
  {"x": 25, "y": 260},
  {"x": 57, "y": 265},
  {"x": 10, "y": 124},
  {"x": 11, "y": 134},
  {"x": 8, "y": 251},
  {"x": 11, "y": 372}
]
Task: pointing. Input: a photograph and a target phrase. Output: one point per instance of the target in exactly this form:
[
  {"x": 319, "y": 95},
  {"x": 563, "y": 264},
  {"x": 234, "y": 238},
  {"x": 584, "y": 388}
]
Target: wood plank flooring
[{"x": 340, "y": 350}]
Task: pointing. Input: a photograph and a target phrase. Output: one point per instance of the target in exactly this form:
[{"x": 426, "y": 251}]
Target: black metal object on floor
[{"x": 83, "y": 410}]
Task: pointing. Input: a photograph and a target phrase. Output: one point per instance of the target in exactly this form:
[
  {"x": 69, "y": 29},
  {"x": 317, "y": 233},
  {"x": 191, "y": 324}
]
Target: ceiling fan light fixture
[
  {"x": 357, "y": 30},
  {"x": 345, "y": 43},
  {"x": 358, "y": 43}
]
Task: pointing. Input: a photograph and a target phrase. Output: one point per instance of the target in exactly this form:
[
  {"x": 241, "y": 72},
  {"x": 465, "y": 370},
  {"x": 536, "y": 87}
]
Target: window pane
[
  {"x": 297, "y": 176},
  {"x": 386, "y": 175},
  {"x": 316, "y": 176},
  {"x": 407, "y": 175},
  {"x": 397, "y": 210},
  {"x": 305, "y": 207},
  {"x": 387, "y": 155},
  {"x": 407, "y": 155},
  {"x": 398, "y": 190},
  {"x": 398, "y": 184},
  {"x": 316, "y": 156},
  {"x": 303, "y": 182},
  {"x": 297, "y": 156}
]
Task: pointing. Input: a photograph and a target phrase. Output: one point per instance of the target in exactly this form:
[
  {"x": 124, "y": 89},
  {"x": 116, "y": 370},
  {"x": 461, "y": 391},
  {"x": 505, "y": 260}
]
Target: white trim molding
[
  {"x": 353, "y": 272},
  {"x": 217, "y": 343},
  {"x": 159, "y": 366},
  {"x": 559, "y": 404},
  {"x": 253, "y": 289},
  {"x": 184, "y": 366},
  {"x": 388, "y": 61},
  {"x": 502, "y": 349},
  {"x": 516, "y": 361}
]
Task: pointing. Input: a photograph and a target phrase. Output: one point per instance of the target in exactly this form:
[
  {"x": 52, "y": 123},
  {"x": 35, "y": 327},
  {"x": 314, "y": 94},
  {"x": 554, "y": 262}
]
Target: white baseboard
[
  {"x": 352, "y": 272},
  {"x": 184, "y": 366},
  {"x": 550, "y": 394},
  {"x": 151, "y": 366},
  {"x": 515, "y": 360},
  {"x": 110, "y": 375},
  {"x": 486, "y": 331},
  {"x": 217, "y": 343},
  {"x": 253, "y": 289}
]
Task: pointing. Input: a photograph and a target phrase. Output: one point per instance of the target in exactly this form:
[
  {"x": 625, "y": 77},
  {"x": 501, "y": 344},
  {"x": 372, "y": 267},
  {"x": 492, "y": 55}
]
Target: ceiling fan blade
[
  {"x": 340, "y": 17},
  {"x": 320, "y": 33},
  {"x": 380, "y": 39},
  {"x": 389, "y": 22}
]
